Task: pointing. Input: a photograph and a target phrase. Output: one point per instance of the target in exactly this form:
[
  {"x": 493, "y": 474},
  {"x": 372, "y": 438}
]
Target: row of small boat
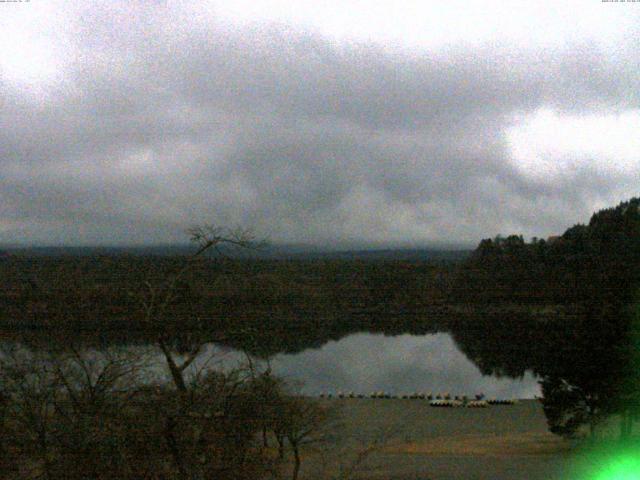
[
  {"x": 472, "y": 403},
  {"x": 434, "y": 400}
]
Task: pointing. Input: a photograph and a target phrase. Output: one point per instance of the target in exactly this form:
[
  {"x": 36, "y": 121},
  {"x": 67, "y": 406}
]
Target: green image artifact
[
  {"x": 623, "y": 467},
  {"x": 621, "y": 462}
]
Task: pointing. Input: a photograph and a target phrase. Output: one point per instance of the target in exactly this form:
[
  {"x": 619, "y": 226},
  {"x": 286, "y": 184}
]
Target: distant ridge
[{"x": 272, "y": 252}]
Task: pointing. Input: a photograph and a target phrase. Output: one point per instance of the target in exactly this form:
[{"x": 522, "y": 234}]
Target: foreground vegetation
[{"x": 83, "y": 414}]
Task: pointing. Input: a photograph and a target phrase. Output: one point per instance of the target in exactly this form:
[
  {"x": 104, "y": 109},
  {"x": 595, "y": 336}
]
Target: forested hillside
[{"x": 587, "y": 263}]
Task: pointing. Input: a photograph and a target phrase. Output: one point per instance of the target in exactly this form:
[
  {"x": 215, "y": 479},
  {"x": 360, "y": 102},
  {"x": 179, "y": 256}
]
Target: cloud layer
[{"x": 145, "y": 119}]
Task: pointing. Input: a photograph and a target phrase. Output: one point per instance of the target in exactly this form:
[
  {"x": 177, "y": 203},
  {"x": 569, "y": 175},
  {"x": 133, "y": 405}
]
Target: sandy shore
[{"x": 413, "y": 441}]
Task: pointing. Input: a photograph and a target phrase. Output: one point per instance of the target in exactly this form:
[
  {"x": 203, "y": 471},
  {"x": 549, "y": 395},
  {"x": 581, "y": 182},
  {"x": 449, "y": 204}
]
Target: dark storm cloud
[{"x": 159, "y": 124}]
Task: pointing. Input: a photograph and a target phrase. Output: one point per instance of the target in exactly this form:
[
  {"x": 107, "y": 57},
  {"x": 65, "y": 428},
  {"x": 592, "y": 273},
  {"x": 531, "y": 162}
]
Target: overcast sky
[{"x": 333, "y": 123}]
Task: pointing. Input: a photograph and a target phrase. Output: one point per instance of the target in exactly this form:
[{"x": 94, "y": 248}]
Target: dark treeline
[
  {"x": 597, "y": 262},
  {"x": 289, "y": 305},
  {"x": 580, "y": 329}
]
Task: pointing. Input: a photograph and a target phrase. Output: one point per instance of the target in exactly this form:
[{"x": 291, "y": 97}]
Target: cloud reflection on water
[{"x": 366, "y": 362}]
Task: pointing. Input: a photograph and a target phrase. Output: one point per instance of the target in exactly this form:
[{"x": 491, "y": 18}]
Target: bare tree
[
  {"x": 94, "y": 436},
  {"x": 188, "y": 428},
  {"x": 300, "y": 421},
  {"x": 29, "y": 387},
  {"x": 157, "y": 299},
  {"x": 96, "y": 380}
]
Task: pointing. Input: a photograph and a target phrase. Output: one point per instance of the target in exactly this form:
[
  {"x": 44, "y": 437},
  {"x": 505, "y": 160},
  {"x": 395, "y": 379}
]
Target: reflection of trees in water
[
  {"x": 499, "y": 343},
  {"x": 259, "y": 335},
  {"x": 505, "y": 348},
  {"x": 585, "y": 361},
  {"x": 506, "y": 343}
]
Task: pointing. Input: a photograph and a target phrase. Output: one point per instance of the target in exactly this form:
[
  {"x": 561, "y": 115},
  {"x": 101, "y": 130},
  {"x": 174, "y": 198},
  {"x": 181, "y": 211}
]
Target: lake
[{"x": 366, "y": 362}]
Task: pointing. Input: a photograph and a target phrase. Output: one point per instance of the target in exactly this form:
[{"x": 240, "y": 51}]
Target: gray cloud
[{"x": 158, "y": 124}]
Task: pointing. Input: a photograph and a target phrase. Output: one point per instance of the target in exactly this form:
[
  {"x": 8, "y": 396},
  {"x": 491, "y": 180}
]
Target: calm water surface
[{"x": 366, "y": 362}]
